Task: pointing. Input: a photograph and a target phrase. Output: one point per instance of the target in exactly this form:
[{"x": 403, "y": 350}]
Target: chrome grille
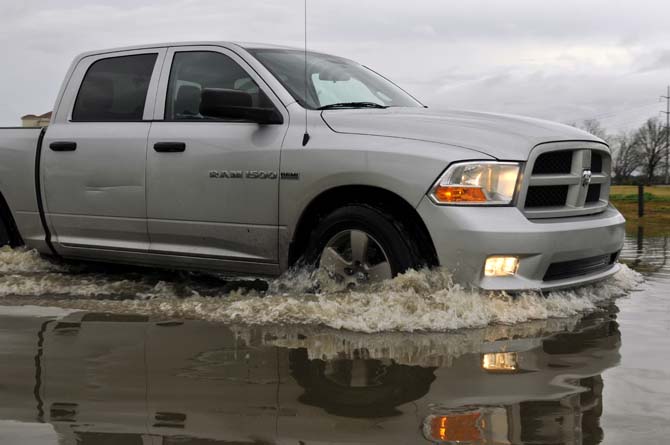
[
  {"x": 547, "y": 196},
  {"x": 593, "y": 195},
  {"x": 566, "y": 181},
  {"x": 596, "y": 162},
  {"x": 554, "y": 162}
]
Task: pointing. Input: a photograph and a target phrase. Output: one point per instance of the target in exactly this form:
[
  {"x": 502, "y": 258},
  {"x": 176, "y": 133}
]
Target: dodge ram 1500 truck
[{"x": 242, "y": 158}]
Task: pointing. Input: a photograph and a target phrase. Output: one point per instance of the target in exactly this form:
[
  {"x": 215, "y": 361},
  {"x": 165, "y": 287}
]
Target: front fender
[{"x": 404, "y": 167}]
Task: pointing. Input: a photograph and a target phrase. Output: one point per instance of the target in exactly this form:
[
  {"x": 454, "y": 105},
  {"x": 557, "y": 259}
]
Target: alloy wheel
[{"x": 355, "y": 258}]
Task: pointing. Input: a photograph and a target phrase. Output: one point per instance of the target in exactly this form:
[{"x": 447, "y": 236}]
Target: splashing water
[
  {"x": 24, "y": 261},
  {"x": 425, "y": 300}
]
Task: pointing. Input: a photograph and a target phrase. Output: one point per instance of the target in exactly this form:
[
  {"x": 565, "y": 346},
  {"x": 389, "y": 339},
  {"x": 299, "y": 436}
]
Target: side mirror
[{"x": 222, "y": 103}]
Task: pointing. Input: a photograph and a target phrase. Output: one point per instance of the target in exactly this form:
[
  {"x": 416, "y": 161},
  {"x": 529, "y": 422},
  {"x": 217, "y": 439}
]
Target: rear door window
[{"x": 115, "y": 89}]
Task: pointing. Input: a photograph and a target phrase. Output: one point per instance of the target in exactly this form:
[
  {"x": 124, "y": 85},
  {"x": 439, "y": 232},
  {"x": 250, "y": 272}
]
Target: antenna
[{"x": 305, "y": 137}]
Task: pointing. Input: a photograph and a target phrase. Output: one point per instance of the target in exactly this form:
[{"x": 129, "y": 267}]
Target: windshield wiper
[{"x": 352, "y": 105}]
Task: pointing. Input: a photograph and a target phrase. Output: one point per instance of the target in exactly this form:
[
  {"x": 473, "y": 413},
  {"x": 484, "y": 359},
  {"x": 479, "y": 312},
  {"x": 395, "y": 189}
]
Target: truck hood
[{"x": 502, "y": 136}]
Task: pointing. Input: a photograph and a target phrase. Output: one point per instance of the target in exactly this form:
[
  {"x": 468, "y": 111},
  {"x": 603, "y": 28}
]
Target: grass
[
  {"x": 648, "y": 197},
  {"x": 656, "y": 220},
  {"x": 629, "y": 193}
]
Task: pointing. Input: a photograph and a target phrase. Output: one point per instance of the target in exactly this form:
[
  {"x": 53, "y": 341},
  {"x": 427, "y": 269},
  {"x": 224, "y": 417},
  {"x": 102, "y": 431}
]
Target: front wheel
[{"x": 358, "y": 245}]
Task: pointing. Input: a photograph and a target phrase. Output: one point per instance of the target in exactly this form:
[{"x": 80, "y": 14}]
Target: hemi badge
[{"x": 290, "y": 175}]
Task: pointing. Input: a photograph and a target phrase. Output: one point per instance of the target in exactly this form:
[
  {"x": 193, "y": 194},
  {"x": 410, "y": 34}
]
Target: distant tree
[
  {"x": 626, "y": 157},
  {"x": 650, "y": 138},
  {"x": 594, "y": 127}
]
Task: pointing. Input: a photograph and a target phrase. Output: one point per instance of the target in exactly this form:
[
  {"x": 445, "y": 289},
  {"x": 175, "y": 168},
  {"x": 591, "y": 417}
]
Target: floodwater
[{"x": 93, "y": 355}]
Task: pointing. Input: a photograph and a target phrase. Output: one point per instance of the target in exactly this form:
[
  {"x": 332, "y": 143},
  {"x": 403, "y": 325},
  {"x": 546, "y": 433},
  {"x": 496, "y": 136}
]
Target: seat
[{"x": 187, "y": 103}]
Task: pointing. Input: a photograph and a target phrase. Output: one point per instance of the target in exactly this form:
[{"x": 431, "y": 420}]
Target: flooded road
[{"x": 100, "y": 356}]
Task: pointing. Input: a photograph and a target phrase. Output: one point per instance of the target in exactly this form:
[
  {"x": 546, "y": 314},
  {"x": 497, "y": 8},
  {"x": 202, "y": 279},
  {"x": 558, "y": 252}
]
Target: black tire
[
  {"x": 5, "y": 238},
  {"x": 401, "y": 249}
]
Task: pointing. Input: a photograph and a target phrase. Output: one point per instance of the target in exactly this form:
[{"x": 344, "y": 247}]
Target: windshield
[{"x": 331, "y": 81}]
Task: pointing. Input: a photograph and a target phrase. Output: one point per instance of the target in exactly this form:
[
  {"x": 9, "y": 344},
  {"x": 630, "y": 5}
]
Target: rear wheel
[
  {"x": 5, "y": 237},
  {"x": 9, "y": 234},
  {"x": 358, "y": 244}
]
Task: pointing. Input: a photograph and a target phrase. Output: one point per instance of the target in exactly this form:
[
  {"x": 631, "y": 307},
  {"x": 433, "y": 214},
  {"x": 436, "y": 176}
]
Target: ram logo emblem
[{"x": 586, "y": 177}]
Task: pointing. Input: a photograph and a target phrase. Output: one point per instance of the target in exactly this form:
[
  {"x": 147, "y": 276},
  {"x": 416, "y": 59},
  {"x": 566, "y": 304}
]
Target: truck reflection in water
[
  {"x": 123, "y": 379},
  {"x": 358, "y": 386},
  {"x": 565, "y": 360}
]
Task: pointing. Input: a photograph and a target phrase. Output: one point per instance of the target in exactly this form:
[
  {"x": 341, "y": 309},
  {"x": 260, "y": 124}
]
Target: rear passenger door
[
  {"x": 215, "y": 196},
  {"x": 94, "y": 154}
]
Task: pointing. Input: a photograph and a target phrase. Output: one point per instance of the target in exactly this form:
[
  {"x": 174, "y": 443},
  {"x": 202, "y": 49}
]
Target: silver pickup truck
[{"x": 241, "y": 158}]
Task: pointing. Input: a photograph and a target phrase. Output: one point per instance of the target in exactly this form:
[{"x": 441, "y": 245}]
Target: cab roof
[{"x": 245, "y": 45}]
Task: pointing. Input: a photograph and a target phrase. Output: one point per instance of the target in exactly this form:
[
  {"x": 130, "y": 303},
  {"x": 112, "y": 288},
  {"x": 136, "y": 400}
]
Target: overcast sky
[{"x": 563, "y": 60}]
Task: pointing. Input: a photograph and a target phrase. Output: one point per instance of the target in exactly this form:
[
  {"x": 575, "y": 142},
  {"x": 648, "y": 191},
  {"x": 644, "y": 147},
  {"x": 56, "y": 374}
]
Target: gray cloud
[
  {"x": 657, "y": 60},
  {"x": 560, "y": 60}
]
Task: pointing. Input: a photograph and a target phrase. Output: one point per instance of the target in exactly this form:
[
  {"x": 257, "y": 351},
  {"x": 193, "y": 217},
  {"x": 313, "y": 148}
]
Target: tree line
[{"x": 638, "y": 156}]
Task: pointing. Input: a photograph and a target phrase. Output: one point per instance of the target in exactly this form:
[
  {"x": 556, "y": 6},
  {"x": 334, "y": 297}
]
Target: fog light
[
  {"x": 500, "y": 362},
  {"x": 501, "y": 266}
]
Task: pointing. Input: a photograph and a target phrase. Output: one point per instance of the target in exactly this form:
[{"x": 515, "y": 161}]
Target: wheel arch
[{"x": 377, "y": 197}]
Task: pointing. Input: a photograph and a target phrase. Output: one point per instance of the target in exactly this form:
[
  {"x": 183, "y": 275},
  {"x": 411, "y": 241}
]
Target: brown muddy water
[{"x": 98, "y": 355}]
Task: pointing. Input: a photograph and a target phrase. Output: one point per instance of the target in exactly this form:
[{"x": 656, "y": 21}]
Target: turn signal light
[
  {"x": 501, "y": 266},
  {"x": 477, "y": 183},
  {"x": 456, "y": 194},
  {"x": 460, "y": 427}
]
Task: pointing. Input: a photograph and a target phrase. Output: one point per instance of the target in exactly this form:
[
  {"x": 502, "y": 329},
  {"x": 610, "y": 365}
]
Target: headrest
[{"x": 188, "y": 100}]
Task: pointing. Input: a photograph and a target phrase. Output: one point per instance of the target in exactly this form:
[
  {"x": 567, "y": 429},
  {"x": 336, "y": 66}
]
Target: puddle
[{"x": 178, "y": 358}]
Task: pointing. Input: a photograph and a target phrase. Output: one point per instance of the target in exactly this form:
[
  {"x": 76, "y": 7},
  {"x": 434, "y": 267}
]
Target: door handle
[
  {"x": 63, "y": 146},
  {"x": 169, "y": 147}
]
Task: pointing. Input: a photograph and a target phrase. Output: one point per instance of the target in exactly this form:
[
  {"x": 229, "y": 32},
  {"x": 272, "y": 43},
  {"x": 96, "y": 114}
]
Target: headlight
[{"x": 477, "y": 183}]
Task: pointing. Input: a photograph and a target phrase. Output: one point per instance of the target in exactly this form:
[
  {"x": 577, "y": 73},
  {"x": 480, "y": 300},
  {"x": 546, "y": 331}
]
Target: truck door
[
  {"x": 212, "y": 183},
  {"x": 94, "y": 154}
]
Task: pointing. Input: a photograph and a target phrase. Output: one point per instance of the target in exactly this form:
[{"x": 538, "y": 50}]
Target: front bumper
[{"x": 465, "y": 236}]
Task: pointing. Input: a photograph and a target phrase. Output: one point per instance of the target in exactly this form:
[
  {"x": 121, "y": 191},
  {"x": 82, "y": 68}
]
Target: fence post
[{"x": 640, "y": 200}]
